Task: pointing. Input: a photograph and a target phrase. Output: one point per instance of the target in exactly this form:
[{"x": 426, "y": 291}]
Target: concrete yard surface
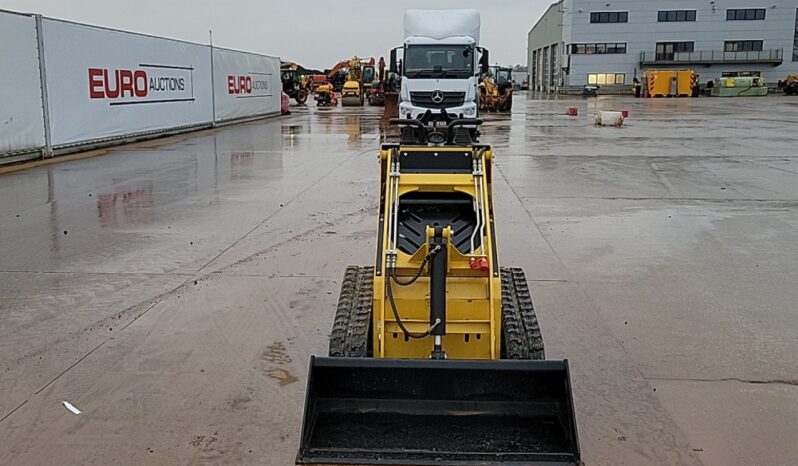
[{"x": 173, "y": 290}]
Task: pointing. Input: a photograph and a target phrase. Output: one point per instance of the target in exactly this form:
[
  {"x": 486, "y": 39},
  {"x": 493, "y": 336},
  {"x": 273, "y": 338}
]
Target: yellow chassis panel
[{"x": 473, "y": 297}]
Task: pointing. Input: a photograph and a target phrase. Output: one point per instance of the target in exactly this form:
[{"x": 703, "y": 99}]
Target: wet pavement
[{"x": 173, "y": 290}]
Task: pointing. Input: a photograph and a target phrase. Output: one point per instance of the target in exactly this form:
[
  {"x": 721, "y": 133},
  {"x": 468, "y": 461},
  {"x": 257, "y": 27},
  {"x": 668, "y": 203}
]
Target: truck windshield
[{"x": 438, "y": 61}]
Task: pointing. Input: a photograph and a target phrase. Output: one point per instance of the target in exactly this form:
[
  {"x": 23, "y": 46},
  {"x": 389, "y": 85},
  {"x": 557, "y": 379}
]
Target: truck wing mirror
[
  {"x": 484, "y": 62},
  {"x": 393, "y": 61}
]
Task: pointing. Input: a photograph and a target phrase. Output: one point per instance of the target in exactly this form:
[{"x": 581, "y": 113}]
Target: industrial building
[{"x": 587, "y": 42}]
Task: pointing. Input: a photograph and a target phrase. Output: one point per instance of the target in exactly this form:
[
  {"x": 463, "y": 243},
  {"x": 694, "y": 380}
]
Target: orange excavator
[{"x": 337, "y": 75}]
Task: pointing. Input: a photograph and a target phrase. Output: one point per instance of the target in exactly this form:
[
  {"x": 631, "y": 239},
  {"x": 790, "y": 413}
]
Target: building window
[
  {"x": 609, "y": 17},
  {"x": 544, "y": 74},
  {"x": 590, "y": 49},
  {"x": 553, "y": 68},
  {"x": 667, "y": 50},
  {"x": 743, "y": 46},
  {"x": 601, "y": 79},
  {"x": 745, "y": 14},
  {"x": 737, "y": 74},
  {"x": 795, "y": 40},
  {"x": 675, "y": 15}
]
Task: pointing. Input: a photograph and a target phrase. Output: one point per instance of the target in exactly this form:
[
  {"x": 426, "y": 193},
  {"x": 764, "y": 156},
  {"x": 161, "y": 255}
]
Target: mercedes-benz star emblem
[{"x": 437, "y": 97}]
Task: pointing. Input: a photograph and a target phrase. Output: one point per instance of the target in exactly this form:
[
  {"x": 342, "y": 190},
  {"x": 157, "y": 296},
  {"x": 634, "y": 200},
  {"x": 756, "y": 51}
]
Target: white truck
[{"x": 441, "y": 63}]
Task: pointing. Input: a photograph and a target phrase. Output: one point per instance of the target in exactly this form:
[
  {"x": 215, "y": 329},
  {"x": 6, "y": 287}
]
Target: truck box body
[{"x": 441, "y": 24}]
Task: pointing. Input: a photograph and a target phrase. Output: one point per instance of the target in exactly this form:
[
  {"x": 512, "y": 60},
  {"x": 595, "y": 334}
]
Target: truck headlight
[{"x": 470, "y": 111}]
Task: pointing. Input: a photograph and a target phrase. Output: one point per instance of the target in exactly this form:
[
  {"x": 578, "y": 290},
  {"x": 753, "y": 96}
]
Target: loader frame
[{"x": 473, "y": 325}]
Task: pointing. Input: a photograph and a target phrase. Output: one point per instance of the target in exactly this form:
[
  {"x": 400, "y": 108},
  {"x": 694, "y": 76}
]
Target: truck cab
[
  {"x": 502, "y": 75},
  {"x": 441, "y": 63}
]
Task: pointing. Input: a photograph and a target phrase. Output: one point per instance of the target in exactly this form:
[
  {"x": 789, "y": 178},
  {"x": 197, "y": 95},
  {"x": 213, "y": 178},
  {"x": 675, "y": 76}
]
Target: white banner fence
[
  {"x": 66, "y": 86},
  {"x": 21, "y": 117},
  {"x": 245, "y": 84}
]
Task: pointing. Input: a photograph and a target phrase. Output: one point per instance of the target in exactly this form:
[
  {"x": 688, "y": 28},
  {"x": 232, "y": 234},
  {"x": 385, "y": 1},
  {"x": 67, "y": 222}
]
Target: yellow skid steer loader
[{"x": 436, "y": 356}]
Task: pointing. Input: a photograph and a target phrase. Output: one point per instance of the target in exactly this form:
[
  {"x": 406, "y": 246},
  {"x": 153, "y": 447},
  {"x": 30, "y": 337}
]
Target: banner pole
[
  {"x": 213, "y": 80},
  {"x": 47, "y": 151}
]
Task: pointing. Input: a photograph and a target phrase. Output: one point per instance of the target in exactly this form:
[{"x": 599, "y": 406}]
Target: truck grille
[{"x": 450, "y": 99}]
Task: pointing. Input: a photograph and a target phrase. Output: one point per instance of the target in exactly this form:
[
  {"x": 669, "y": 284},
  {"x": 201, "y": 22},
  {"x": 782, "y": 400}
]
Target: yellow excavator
[
  {"x": 352, "y": 92},
  {"x": 436, "y": 355}
]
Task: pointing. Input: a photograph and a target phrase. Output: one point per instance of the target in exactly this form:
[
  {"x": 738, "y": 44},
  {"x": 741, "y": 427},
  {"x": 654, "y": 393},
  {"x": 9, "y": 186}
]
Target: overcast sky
[{"x": 315, "y": 33}]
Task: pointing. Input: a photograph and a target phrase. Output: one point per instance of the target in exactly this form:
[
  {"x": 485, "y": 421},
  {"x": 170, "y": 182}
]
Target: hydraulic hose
[{"x": 393, "y": 277}]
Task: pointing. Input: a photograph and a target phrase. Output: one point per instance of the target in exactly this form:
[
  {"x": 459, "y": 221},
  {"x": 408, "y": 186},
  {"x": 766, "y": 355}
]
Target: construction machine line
[{"x": 436, "y": 356}]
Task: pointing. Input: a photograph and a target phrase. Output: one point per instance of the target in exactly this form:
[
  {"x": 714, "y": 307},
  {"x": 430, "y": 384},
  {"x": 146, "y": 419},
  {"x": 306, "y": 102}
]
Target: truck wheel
[
  {"x": 301, "y": 96},
  {"x": 521, "y": 338},
  {"x": 351, "y": 332}
]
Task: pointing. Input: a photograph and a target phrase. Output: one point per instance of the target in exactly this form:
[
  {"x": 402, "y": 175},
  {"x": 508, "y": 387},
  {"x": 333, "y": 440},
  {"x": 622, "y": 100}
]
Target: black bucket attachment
[{"x": 448, "y": 412}]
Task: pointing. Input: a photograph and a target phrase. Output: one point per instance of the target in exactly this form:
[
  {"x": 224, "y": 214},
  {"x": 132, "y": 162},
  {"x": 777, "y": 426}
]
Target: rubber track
[
  {"x": 520, "y": 330},
  {"x": 350, "y": 333}
]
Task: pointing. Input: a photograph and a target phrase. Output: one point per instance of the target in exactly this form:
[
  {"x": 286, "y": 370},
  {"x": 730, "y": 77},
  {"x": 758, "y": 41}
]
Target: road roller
[{"x": 352, "y": 93}]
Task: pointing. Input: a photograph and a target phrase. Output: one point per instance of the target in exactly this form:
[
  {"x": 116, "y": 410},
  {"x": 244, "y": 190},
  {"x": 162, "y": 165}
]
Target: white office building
[{"x": 610, "y": 42}]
